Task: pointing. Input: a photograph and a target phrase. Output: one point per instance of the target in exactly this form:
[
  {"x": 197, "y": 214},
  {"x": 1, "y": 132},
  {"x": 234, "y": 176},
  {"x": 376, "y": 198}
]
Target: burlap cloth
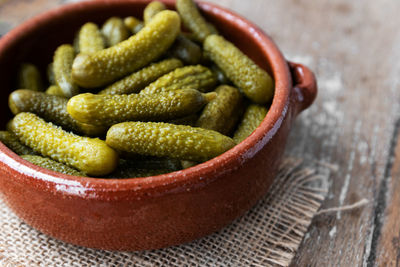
[{"x": 268, "y": 235}]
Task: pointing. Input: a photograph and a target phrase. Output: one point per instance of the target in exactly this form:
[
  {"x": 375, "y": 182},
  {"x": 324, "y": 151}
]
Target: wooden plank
[{"x": 354, "y": 48}]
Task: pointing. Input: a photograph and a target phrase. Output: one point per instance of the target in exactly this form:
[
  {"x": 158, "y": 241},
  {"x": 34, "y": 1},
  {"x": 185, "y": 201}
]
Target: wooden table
[{"x": 354, "y": 49}]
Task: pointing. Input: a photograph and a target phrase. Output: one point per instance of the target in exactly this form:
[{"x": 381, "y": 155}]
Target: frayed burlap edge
[{"x": 268, "y": 235}]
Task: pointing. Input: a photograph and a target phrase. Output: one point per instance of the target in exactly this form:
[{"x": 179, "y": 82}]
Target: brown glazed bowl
[{"x": 158, "y": 211}]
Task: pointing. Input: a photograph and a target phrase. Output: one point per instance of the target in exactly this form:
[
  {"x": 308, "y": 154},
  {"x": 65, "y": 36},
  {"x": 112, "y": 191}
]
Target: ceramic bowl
[{"x": 158, "y": 211}]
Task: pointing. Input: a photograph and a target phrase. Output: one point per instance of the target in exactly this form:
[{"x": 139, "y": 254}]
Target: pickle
[
  {"x": 221, "y": 113},
  {"x": 138, "y": 80},
  {"x": 151, "y": 10},
  {"x": 194, "y": 77},
  {"x": 54, "y": 90},
  {"x": 186, "y": 50},
  {"x": 252, "y": 118},
  {"x": 114, "y": 31},
  {"x": 110, "y": 109},
  {"x": 50, "y": 74},
  {"x": 52, "y": 165},
  {"x": 241, "y": 70},
  {"x": 90, "y": 39},
  {"x": 89, "y": 155},
  {"x": 168, "y": 140},
  {"x": 12, "y": 142},
  {"x": 128, "y": 56},
  {"x": 192, "y": 19},
  {"x": 189, "y": 120},
  {"x": 75, "y": 43},
  {"x": 62, "y": 64},
  {"x": 29, "y": 77},
  {"x": 51, "y": 108},
  {"x": 221, "y": 77},
  {"x": 133, "y": 24}
]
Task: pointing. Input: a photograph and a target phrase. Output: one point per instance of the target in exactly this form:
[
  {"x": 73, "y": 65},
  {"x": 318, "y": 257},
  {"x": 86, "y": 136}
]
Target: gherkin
[
  {"x": 168, "y": 140},
  {"x": 62, "y": 64},
  {"x": 52, "y": 165},
  {"x": 51, "y": 108},
  {"x": 128, "y": 56},
  {"x": 138, "y": 80},
  {"x": 195, "y": 77},
  {"x": 186, "y": 50},
  {"x": 54, "y": 90},
  {"x": 90, "y": 39},
  {"x": 114, "y": 31},
  {"x": 252, "y": 118},
  {"x": 151, "y": 10},
  {"x": 13, "y": 143},
  {"x": 241, "y": 70},
  {"x": 89, "y": 155},
  {"x": 29, "y": 77},
  {"x": 192, "y": 19},
  {"x": 111, "y": 109},
  {"x": 133, "y": 24},
  {"x": 221, "y": 114}
]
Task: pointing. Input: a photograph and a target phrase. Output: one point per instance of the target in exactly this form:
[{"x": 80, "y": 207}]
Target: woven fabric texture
[{"x": 268, "y": 235}]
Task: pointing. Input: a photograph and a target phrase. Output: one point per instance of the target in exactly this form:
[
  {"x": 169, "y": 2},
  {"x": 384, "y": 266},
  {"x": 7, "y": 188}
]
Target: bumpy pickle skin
[
  {"x": 138, "y": 80},
  {"x": 51, "y": 165},
  {"x": 90, "y": 39},
  {"x": 54, "y": 90},
  {"x": 13, "y": 143},
  {"x": 221, "y": 113},
  {"x": 241, "y": 70},
  {"x": 29, "y": 77},
  {"x": 114, "y": 31},
  {"x": 168, "y": 140},
  {"x": 192, "y": 19},
  {"x": 194, "y": 77},
  {"x": 51, "y": 108},
  {"x": 110, "y": 109},
  {"x": 252, "y": 118},
  {"x": 62, "y": 64},
  {"x": 186, "y": 50},
  {"x": 148, "y": 44},
  {"x": 151, "y": 10},
  {"x": 133, "y": 24},
  {"x": 89, "y": 155}
]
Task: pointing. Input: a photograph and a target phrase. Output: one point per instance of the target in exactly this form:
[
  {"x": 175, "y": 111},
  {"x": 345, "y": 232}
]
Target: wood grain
[{"x": 354, "y": 49}]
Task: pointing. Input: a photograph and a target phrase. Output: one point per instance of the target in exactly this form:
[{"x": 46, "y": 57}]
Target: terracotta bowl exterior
[{"x": 159, "y": 211}]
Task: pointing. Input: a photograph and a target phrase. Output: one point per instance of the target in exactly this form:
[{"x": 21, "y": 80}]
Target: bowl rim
[{"x": 198, "y": 175}]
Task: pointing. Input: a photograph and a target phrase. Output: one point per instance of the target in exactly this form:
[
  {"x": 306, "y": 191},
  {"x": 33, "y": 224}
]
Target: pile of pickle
[{"x": 138, "y": 98}]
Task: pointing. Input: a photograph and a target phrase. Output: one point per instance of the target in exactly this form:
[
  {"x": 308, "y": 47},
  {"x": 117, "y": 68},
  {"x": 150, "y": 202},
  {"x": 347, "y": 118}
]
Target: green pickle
[
  {"x": 62, "y": 64},
  {"x": 186, "y": 50},
  {"x": 144, "y": 168},
  {"x": 13, "y": 143},
  {"x": 241, "y": 70},
  {"x": 221, "y": 113},
  {"x": 192, "y": 19},
  {"x": 51, "y": 108},
  {"x": 133, "y": 24},
  {"x": 148, "y": 44},
  {"x": 114, "y": 31},
  {"x": 29, "y": 77},
  {"x": 54, "y": 90},
  {"x": 189, "y": 120},
  {"x": 89, "y": 155},
  {"x": 168, "y": 140},
  {"x": 194, "y": 77},
  {"x": 138, "y": 80},
  {"x": 221, "y": 77},
  {"x": 90, "y": 39},
  {"x": 52, "y": 165},
  {"x": 151, "y": 10},
  {"x": 110, "y": 109},
  {"x": 252, "y": 118}
]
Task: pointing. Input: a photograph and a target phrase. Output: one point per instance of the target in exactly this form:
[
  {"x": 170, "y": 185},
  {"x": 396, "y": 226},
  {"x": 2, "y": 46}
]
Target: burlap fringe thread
[{"x": 268, "y": 235}]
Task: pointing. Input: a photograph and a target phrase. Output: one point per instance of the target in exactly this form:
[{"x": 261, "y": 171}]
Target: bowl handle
[{"x": 304, "y": 86}]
